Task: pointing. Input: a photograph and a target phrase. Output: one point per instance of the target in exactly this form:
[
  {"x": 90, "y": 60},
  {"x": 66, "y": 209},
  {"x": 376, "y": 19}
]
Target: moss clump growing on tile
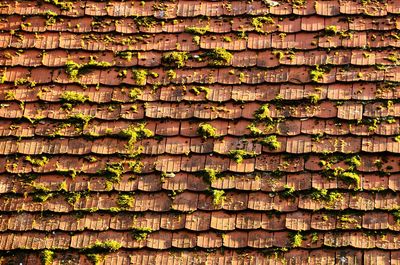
[
  {"x": 38, "y": 162},
  {"x": 141, "y": 233},
  {"x": 219, "y": 57},
  {"x": 299, "y": 3},
  {"x": 125, "y": 55},
  {"x": 206, "y": 130},
  {"x": 42, "y": 196},
  {"x": 125, "y": 201},
  {"x": 258, "y": 23},
  {"x": 74, "y": 70},
  {"x": 134, "y": 93},
  {"x": 80, "y": 119},
  {"x": 239, "y": 155},
  {"x": 314, "y": 98},
  {"x": 254, "y": 130},
  {"x": 106, "y": 246},
  {"x": 96, "y": 259},
  {"x": 271, "y": 142},
  {"x": 140, "y": 76},
  {"x": 328, "y": 196},
  {"x": 218, "y": 197},
  {"x": 263, "y": 113},
  {"x": 197, "y": 30},
  {"x": 317, "y": 74},
  {"x": 171, "y": 74},
  {"x": 177, "y": 59},
  {"x": 331, "y": 30},
  {"x": 198, "y": 89},
  {"x": 297, "y": 240},
  {"x": 63, "y": 5},
  {"x": 210, "y": 175},
  {"x": 113, "y": 172},
  {"x": 47, "y": 257},
  {"x": 73, "y": 97},
  {"x": 135, "y": 133}
]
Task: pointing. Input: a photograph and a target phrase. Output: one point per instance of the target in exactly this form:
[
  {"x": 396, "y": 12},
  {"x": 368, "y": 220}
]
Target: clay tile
[
  {"x": 298, "y": 221},
  {"x": 235, "y": 239},
  {"x": 184, "y": 240},
  {"x": 198, "y": 221},
  {"x": 209, "y": 240},
  {"x": 260, "y": 239},
  {"x": 159, "y": 240},
  {"x": 185, "y": 202}
]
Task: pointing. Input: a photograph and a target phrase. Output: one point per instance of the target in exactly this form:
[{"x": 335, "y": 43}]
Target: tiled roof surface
[{"x": 200, "y": 132}]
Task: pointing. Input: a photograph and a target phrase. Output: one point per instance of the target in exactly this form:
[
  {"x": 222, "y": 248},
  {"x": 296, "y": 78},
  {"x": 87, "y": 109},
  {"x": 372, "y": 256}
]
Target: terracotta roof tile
[{"x": 299, "y": 85}]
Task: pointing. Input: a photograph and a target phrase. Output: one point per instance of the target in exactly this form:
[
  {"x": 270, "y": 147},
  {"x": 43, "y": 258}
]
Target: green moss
[
  {"x": 210, "y": 175},
  {"x": 171, "y": 74},
  {"x": 351, "y": 177},
  {"x": 38, "y": 162},
  {"x": 135, "y": 133},
  {"x": 331, "y": 30},
  {"x": 145, "y": 21},
  {"x": 63, "y": 186},
  {"x": 393, "y": 57},
  {"x": 141, "y": 233},
  {"x": 396, "y": 215},
  {"x": 258, "y": 23},
  {"x": 219, "y": 57},
  {"x": 3, "y": 77},
  {"x": 314, "y": 98},
  {"x": 325, "y": 195},
  {"x": 197, "y": 30},
  {"x": 134, "y": 93},
  {"x": 196, "y": 40},
  {"x": 198, "y": 89},
  {"x": 63, "y": 5},
  {"x": 317, "y": 74},
  {"x": 314, "y": 237},
  {"x": 271, "y": 142},
  {"x": 106, "y": 246},
  {"x": 263, "y": 113},
  {"x": 73, "y": 197},
  {"x": 278, "y": 54},
  {"x": 80, "y": 119},
  {"x": 140, "y": 76},
  {"x": 239, "y": 155},
  {"x": 177, "y": 59},
  {"x": 113, "y": 172},
  {"x": 42, "y": 196},
  {"x": 254, "y": 130},
  {"x": 207, "y": 131},
  {"x": 95, "y": 259},
  {"x": 9, "y": 95},
  {"x": 47, "y": 257},
  {"x": 73, "y": 97},
  {"x": 289, "y": 191},
  {"x": 353, "y": 162},
  {"x": 299, "y": 3},
  {"x": 297, "y": 240},
  {"x": 227, "y": 39},
  {"x": 125, "y": 201},
  {"x": 74, "y": 70},
  {"x": 397, "y": 138},
  {"x": 218, "y": 197},
  {"x": 125, "y": 55}
]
